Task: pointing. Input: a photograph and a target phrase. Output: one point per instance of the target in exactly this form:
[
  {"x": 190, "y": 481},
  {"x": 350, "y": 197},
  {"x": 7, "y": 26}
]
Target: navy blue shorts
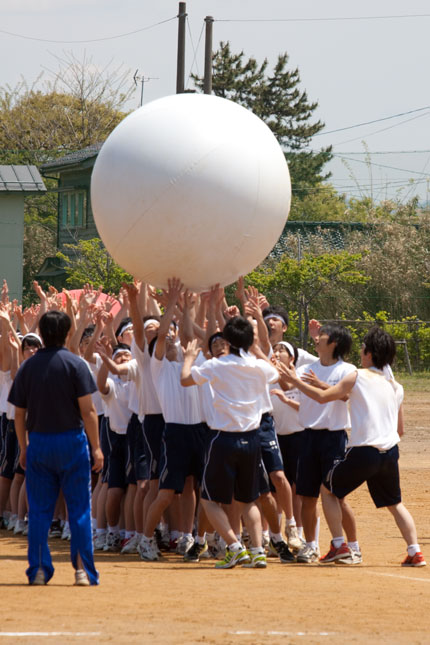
[
  {"x": 232, "y": 467},
  {"x": 136, "y": 468},
  {"x": 153, "y": 426},
  {"x": 104, "y": 445},
  {"x": 291, "y": 446},
  {"x": 380, "y": 470},
  {"x": 3, "y": 427},
  {"x": 117, "y": 462},
  {"x": 270, "y": 452},
  {"x": 10, "y": 456},
  {"x": 182, "y": 454},
  {"x": 321, "y": 448}
]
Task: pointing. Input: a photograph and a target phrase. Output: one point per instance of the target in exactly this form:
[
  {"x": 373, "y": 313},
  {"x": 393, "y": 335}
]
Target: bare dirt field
[{"x": 174, "y": 602}]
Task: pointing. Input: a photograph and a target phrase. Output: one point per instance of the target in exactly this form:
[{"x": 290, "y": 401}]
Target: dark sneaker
[
  {"x": 55, "y": 531},
  {"x": 283, "y": 551},
  {"x": 196, "y": 552}
]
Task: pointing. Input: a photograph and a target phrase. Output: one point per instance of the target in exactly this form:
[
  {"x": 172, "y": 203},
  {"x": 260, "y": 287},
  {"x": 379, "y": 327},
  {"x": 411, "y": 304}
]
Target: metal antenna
[{"x": 142, "y": 80}]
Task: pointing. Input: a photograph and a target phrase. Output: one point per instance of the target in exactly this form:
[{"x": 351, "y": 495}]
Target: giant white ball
[{"x": 193, "y": 186}]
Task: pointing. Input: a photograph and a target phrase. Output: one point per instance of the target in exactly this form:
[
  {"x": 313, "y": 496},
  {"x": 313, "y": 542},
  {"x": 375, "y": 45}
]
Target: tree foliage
[
  {"x": 90, "y": 262},
  {"x": 275, "y": 96}
]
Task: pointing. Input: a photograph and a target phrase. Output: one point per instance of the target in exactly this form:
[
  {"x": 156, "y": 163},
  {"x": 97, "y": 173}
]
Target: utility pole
[
  {"x": 207, "y": 83},
  {"x": 142, "y": 80},
  {"x": 180, "y": 72}
]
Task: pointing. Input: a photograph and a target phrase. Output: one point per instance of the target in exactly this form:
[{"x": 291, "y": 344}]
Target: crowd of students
[{"x": 218, "y": 435}]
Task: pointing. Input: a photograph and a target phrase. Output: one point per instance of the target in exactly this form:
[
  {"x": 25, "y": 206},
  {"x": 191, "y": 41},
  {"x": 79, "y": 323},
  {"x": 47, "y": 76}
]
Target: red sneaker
[
  {"x": 335, "y": 554},
  {"x": 416, "y": 560}
]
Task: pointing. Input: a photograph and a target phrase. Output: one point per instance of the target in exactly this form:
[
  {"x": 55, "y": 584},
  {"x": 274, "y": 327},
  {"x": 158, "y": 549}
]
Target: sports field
[{"x": 174, "y": 602}]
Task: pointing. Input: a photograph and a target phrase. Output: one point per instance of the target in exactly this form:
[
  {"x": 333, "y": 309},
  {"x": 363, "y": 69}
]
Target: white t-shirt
[
  {"x": 374, "y": 406},
  {"x": 116, "y": 401},
  {"x": 286, "y": 418},
  {"x": 239, "y": 386},
  {"x": 96, "y": 396},
  {"x": 148, "y": 399},
  {"x": 330, "y": 416},
  {"x": 10, "y": 409},
  {"x": 178, "y": 404},
  {"x": 304, "y": 358}
]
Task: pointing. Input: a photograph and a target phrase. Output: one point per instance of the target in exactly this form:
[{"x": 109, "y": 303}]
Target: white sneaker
[
  {"x": 184, "y": 544},
  {"x": 100, "y": 541},
  {"x": 147, "y": 550},
  {"x": 293, "y": 540},
  {"x": 130, "y": 546},
  {"x": 113, "y": 542},
  {"x": 66, "y": 534},
  {"x": 81, "y": 578},
  {"x": 19, "y": 527},
  {"x": 12, "y": 521},
  {"x": 39, "y": 578}
]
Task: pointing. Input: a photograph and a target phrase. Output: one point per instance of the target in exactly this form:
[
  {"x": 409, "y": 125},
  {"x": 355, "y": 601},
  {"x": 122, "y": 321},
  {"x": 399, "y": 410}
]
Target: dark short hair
[
  {"x": 339, "y": 335},
  {"x": 123, "y": 346},
  {"x": 217, "y": 334},
  {"x": 381, "y": 345},
  {"x": 54, "y": 327},
  {"x": 30, "y": 341},
  {"x": 239, "y": 334},
  {"x": 152, "y": 345},
  {"x": 278, "y": 311},
  {"x": 88, "y": 332}
]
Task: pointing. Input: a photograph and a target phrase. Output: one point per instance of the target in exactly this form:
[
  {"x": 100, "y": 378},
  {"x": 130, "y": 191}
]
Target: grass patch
[{"x": 417, "y": 382}]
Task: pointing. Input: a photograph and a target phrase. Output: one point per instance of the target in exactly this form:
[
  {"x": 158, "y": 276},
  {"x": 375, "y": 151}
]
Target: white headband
[
  {"x": 150, "y": 321},
  {"x": 276, "y": 316},
  {"x": 32, "y": 335},
  {"x": 120, "y": 350},
  {"x": 123, "y": 329},
  {"x": 287, "y": 345}
]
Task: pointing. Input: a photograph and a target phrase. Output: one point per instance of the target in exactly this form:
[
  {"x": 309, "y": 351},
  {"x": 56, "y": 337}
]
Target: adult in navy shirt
[{"x": 52, "y": 396}]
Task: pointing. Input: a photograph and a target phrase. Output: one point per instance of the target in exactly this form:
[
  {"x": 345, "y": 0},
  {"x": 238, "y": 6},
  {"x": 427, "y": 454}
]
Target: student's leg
[
  {"x": 219, "y": 520},
  {"x": 283, "y": 492},
  {"x": 332, "y": 512},
  {"x": 405, "y": 522},
  {"x": 309, "y": 517},
  {"x": 129, "y": 506},
  {"x": 187, "y": 504},
  {"x": 113, "y": 505},
  {"x": 234, "y": 511},
  {"x": 162, "y": 501},
  {"x": 14, "y": 492},
  {"x": 142, "y": 488}
]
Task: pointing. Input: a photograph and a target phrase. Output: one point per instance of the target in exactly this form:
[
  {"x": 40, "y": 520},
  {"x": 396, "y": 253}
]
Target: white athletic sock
[
  {"x": 93, "y": 523},
  {"x": 338, "y": 541},
  {"x": 113, "y": 529},
  {"x": 200, "y": 540},
  {"x": 354, "y": 546},
  {"x": 235, "y": 546},
  {"x": 266, "y": 533},
  {"x": 290, "y": 522},
  {"x": 187, "y": 535},
  {"x": 122, "y": 533},
  {"x": 174, "y": 535},
  {"x": 100, "y": 531},
  {"x": 413, "y": 548},
  {"x": 239, "y": 537},
  {"x": 129, "y": 534},
  {"x": 300, "y": 531},
  {"x": 313, "y": 544},
  {"x": 256, "y": 549},
  {"x": 276, "y": 537},
  {"x": 317, "y": 530}
]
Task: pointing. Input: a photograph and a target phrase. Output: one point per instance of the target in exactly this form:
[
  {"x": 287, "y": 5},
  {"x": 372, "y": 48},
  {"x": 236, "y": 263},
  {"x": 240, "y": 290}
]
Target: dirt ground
[{"x": 174, "y": 602}]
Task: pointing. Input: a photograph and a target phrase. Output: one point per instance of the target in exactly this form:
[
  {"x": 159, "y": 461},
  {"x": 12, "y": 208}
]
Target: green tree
[
  {"x": 278, "y": 100},
  {"x": 78, "y": 105},
  {"x": 90, "y": 262},
  {"x": 298, "y": 284}
]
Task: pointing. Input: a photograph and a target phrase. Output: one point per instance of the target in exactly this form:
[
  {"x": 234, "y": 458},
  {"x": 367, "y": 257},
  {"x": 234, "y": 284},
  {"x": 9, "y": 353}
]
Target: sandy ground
[{"x": 174, "y": 602}]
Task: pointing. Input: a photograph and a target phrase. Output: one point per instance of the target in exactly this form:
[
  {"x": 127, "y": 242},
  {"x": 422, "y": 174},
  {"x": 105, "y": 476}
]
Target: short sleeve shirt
[{"x": 49, "y": 385}]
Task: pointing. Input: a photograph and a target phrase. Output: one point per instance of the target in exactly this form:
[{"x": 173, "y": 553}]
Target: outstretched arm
[
  {"x": 172, "y": 293},
  {"x": 333, "y": 393},
  {"x": 190, "y": 356}
]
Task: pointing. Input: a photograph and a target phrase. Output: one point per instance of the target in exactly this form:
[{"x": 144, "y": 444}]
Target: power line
[
  {"x": 380, "y": 165},
  {"x": 337, "y": 18},
  {"x": 390, "y": 127},
  {"x": 380, "y": 152},
  {"x": 385, "y": 118},
  {"x": 195, "y": 49},
  {"x": 89, "y": 40}
]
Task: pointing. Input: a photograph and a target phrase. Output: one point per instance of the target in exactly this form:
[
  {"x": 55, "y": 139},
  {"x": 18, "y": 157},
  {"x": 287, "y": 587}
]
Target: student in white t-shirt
[
  {"x": 372, "y": 452},
  {"x": 324, "y": 435},
  {"x": 183, "y": 437},
  {"x": 233, "y": 452}
]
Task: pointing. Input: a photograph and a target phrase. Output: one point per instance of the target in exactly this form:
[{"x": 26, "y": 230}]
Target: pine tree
[{"x": 278, "y": 100}]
